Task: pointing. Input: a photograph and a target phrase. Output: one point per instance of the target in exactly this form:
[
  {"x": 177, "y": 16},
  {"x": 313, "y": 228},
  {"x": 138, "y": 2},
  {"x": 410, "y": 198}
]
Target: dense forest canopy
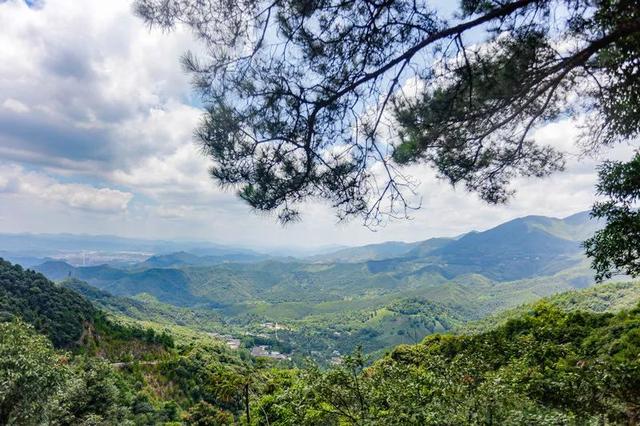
[
  {"x": 59, "y": 313},
  {"x": 66, "y": 317}
]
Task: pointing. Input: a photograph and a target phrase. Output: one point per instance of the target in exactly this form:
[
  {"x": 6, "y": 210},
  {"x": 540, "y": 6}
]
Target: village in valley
[{"x": 261, "y": 351}]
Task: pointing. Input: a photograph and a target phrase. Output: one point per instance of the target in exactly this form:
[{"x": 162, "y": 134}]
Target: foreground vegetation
[
  {"x": 64, "y": 361},
  {"x": 547, "y": 366},
  {"x": 565, "y": 360}
]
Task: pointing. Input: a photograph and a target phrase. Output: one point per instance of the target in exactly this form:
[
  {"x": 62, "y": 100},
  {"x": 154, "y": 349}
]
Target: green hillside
[
  {"x": 328, "y": 306},
  {"x": 524, "y": 248},
  {"x": 318, "y": 319},
  {"x": 547, "y": 366},
  {"x": 602, "y": 298},
  {"x": 61, "y": 314},
  {"x": 230, "y": 286},
  {"x": 63, "y": 361},
  {"x": 147, "y": 309},
  {"x": 66, "y": 317}
]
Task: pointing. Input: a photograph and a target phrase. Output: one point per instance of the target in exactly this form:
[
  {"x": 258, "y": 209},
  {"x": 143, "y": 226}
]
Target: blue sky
[{"x": 96, "y": 121}]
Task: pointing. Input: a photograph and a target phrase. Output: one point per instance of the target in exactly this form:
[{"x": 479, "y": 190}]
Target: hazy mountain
[
  {"x": 182, "y": 258},
  {"x": 521, "y": 248},
  {"x": 384, "y": 250},
  {"x": 517, "y": 249},
  {"x": 57, "y": 270},
  {"x": 578, "y": 227},
  {"x": 42, "y": 245},
  {"x": 424, "y": 248},
  {"x": 381, "y": 251},
  {"x": 24, "y": 259},
  {"x": 167, "y": 260},
  {"x": 521, "y": 240}
]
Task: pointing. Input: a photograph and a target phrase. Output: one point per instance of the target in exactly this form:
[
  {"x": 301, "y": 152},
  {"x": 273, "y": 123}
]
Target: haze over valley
[{"x": 375, "y": 296}]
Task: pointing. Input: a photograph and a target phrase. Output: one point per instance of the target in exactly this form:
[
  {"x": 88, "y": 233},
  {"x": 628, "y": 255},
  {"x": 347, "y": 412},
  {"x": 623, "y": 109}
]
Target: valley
[{"x": 374, "y": 297}]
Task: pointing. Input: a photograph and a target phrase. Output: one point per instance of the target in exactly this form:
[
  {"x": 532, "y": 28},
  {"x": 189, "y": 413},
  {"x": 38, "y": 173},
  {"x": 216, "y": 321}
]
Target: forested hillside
[
  {"x": 609, "y": 297},
  {"x": 147, "y": 308},
  {"x": 67, "y": 318},
  {"x": 547, "y": 366},
  {"x": 64, "y": 361},
  {"x": 547, "y": 363},
  {"x": 61, "y": 314}
]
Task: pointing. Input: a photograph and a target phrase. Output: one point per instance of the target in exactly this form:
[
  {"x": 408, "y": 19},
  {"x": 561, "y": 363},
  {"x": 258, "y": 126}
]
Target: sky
[{"x": 96, "y": 125}]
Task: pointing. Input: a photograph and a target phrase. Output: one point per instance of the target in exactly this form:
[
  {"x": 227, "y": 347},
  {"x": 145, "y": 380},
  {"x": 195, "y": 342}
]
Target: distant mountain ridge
[
  {"x": 58, "y": 270},
  {"x": 382, "y": 294},
  {"x": 183, "y": 258},
  {"x": 516, "y": 249},
  {"x": 35, "y": 249},
  {"x": 166, "y": 284},
  {"x": 42, "y": 245},
  {"x": 534, "y": 234},
  {"x": 380, "y": 251},
  {"x": 527, "y": 248},
  {"x": 366, "y": 252}
]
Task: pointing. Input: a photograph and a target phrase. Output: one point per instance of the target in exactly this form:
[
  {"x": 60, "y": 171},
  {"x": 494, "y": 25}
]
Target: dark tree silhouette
[{"x": 328, "y": 98}]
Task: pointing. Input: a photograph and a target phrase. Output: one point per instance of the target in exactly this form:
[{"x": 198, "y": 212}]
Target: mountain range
[
  {"x": 520, "y": 249},
  {"x": 34, "y": 249},
  {"x": 363, "y": 292}
]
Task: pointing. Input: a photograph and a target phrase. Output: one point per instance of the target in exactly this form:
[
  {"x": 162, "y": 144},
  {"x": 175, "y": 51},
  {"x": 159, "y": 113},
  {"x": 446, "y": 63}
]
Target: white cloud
[
  {"x": 94, "y": 77},
  {"x": 15, "y": 106},
  {"x": 87, "y": 197},
  {"x": 14, "y": 180},
  {"x": 175, "y": 212}
]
